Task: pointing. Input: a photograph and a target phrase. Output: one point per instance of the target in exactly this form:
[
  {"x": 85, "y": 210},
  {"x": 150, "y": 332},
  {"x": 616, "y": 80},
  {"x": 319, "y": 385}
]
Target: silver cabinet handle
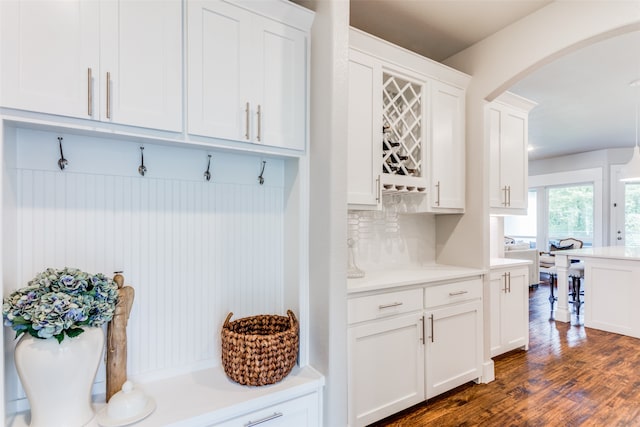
[
  {"x": 246, "y": 128},
  {"x": 505, "y": 196},
  {"x": 264, "y": 420},
  {"x": 438, "y": 194},
  {"x": 108, "y": 95},
  {"x": 433, "y": 331},
  {"x": 89, "y": 93},
  {"x": 259, "y": 113},
  {"x": 509, "y": 193},
  {"x": 393, "y": 304},
  {"x": 509, "y": 280},
  {"x": 451, "y": 294},
  {"x": 423, "y": 334},
  {"x": 378, "y": 189}
]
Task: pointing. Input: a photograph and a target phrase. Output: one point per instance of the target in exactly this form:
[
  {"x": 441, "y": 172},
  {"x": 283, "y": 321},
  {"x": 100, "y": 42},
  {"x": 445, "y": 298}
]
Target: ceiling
[{"x": 584, "y": 99}]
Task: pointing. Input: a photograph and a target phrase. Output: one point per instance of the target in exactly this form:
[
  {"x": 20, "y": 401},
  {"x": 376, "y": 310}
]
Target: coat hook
[
  {"x": 142, "y": 169},
  {"x": 207, "y": 174},
  {"x": 62, "y": 163},
  {"x": 260, "y": 178}
]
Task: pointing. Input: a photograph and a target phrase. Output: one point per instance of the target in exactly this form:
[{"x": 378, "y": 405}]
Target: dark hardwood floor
[{"x": 571, "y": 376}]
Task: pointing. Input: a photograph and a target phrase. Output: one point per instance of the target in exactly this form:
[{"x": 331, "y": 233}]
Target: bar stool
[{"x": 576, "y": 273}]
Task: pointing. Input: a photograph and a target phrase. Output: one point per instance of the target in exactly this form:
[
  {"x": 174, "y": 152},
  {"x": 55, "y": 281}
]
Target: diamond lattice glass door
[{"x": 402, "y": 144}]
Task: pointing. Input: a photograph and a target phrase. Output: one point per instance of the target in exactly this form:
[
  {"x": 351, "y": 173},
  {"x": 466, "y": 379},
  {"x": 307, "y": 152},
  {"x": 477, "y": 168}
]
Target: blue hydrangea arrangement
[{"x": 60, "y": 302}]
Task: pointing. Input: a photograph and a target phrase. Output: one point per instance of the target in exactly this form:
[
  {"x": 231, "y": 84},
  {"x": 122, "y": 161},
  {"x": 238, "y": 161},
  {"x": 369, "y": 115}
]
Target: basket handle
[
  {"x": 226, "y": 322},
  {"x": 292, "y": 318}
]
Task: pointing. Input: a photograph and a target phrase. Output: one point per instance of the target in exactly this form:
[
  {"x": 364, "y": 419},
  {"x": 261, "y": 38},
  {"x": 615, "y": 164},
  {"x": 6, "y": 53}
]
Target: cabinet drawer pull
[
  {"x": 246, "y": 118},
  {"x": 438, "y": 194},
  {"x": 433, "y": 331},
  {"x": 108, "y": 95},
  {"x": 259, "y": 113},
  {"x": 264, "y": 420},
  {"x": 393, "y": 304},
  {"x": 89, "y": 93},
  {"x": 452, "y": 294}
]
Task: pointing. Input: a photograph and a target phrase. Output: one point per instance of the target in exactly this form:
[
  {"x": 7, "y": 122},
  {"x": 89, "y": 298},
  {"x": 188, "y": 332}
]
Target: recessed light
[{"x": 635, "y": 83}]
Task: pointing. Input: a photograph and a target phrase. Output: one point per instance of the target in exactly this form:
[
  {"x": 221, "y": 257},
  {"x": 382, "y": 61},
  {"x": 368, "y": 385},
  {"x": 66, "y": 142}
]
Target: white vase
[{"x": 57, "y": 378}]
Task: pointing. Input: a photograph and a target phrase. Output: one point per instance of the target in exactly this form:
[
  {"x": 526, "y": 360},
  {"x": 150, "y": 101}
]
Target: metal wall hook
[
  {"x": 207, "y": 174},
  {"x": 260, "y": 177},
  {"x": 142, "y": 169},
  {"x": 62, "y": 163}
]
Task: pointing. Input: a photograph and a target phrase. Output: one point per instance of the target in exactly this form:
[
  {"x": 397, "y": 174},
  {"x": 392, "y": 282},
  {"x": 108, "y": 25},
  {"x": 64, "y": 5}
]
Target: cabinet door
[
  {"x": 386, "y": 368},
  {"x": 50, "y": 56},
  {"x": 279, "y": 107},
  {"x": 217, "y": 97},
  {"x": 447, "y": 157},
  {"x": 300, "y": 412},
  {"x": 141, "y": 52},
  {"x": 364, "y": 139},
  {"x": 509, "y": 310},
  {"x": 513, "y": 157},
  {"x": 507, "y": 133},
  {"x": 454, "y": 346}
]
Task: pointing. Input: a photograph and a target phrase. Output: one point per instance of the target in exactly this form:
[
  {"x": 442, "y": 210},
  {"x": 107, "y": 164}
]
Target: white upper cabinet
[
  {"x": 406, "y": 128},
  {"x": 115, "y": 61},
  {"x": 447, "y": 147},
  {"x": 50, "y": 55},
  {"x": 141, "y": 63},
  {"x": 247, "y": 74},
  {"x": 364, "y": 151},
  {"x": 507, "y": 127}
]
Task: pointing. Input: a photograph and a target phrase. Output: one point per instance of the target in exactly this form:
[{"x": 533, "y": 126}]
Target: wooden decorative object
[
  {"x": 259, "y": 350},
  {"x": 117, "y": 338}
]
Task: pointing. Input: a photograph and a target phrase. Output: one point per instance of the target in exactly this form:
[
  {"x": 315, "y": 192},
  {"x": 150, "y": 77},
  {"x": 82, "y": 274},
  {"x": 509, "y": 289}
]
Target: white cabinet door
[
  {"x": 507, "y": 132},
  {"x": 386, "y": 368},
  {"x": 300, "y": 412},
  {"x": 509, "y": 302},
  {"x": 141, "y": 53},
  {"x": 217, "y": 34},
  {"x": 280, "y": 117},
  {"x": 364, "y": 140},
  {"x": 50, "y": 56},
  {"x": 447, "y": 157},
  {"x": 247, "y": 76},
  {"x": 454, "y": 346}
]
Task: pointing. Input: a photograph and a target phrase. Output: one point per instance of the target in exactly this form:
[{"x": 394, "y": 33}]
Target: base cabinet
[
  {"x": 509, "y": 302},
  {"x": 454, "y": 346},
  {"x": 410, "y": 345},
  {"x": 386, "y": 368}
]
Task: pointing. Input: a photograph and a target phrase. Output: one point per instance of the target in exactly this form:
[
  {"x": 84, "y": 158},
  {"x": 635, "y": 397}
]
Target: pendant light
[{"x": 631, "y": 171}]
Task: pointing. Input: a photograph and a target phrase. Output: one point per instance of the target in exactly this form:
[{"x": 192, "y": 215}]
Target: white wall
[
  {"x": 496, "y": 63},
  {"x": 328, "y": 205},
  {"x": 193, "y": 250}
]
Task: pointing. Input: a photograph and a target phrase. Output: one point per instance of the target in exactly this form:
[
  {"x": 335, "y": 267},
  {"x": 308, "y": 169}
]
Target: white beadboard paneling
[{"x": 193, "y": 250}]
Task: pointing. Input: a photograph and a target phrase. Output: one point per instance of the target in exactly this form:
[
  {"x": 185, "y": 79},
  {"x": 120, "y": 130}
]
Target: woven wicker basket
[{"x": 259, "y": 350}]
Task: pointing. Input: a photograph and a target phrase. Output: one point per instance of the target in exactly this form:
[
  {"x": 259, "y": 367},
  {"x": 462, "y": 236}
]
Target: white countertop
[
  {"x": 208, "y": 396},
  {"x": 508, "y": 262},
  {"x": 383, "y": 279},
  {"x": 629, "y": 253}
]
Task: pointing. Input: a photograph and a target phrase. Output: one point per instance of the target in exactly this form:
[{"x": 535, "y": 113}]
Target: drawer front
[
  {"x": 300, "y": 412},
  {"x": 454, "y": 292},
  {"x": 383, "y": 305}
]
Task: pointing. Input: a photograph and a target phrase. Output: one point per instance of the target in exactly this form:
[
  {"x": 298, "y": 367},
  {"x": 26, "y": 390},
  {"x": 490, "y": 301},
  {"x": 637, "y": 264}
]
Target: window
[
  {"x": 632, "y": 213},
  {"x": 571, "y": 212}
]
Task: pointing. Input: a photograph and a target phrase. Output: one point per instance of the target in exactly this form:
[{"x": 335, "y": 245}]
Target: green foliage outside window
[
  {"x": 571, "y": 213},
  {"x": 632, "y": 214}
]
